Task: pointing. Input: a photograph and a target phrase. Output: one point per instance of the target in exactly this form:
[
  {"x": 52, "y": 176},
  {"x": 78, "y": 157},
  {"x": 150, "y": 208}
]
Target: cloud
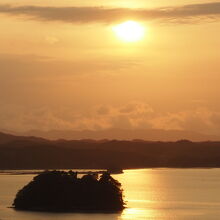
[
  {"x": 129, "y": 116},
  {"x": 140, "y": 116},
  {"x": 23, "y": 118},
  {"x": 200, "y": 119},
  {"x": 112, "y": 15}
]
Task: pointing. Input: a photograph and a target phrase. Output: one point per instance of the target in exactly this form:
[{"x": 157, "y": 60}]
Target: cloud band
[{"x": 112, "y": 15}]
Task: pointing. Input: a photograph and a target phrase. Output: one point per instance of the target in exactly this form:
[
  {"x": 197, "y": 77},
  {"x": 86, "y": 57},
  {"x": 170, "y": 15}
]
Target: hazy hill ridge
[
  {"x": 18, "y": 152},
  {"x": 123, "y": 134}
]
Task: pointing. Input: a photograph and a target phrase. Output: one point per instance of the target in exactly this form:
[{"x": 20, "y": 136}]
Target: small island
[{"x": 60, "y": 191}]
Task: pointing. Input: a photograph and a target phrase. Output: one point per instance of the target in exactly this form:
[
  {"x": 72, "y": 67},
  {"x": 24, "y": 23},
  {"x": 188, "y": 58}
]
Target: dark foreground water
[{"x": 154, "y": 194}]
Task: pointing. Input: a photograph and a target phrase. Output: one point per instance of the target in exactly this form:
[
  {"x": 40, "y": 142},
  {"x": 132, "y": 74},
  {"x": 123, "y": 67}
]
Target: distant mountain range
[
  {"x": 8, "y": 138},
  {"x": 28, "y": 152},
  {"x": 122, "y": 134}
]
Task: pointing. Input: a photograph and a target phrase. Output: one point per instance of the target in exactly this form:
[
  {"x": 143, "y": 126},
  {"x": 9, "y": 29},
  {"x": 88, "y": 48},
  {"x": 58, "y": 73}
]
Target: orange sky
[{"x": 62, "y": 66}]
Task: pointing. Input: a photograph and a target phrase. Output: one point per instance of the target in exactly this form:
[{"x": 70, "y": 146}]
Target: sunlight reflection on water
[
  {"x": 182, "y": 194},
  {"x": 137, "y": 213}
]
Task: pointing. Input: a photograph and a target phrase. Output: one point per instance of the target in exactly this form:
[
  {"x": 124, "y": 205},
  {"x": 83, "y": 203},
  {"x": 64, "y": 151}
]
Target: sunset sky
[{"x": 62, "y": 65}]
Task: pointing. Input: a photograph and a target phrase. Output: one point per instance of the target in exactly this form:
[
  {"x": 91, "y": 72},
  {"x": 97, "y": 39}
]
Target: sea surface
[{"x": 154, "y": 194}]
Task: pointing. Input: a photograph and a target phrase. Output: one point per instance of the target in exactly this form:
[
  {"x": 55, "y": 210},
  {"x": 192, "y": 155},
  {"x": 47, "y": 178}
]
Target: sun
[{"x": 129, "y": 31}]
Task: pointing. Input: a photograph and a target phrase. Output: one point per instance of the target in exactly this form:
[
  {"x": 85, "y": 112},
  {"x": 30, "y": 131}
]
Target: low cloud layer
[
  {"x": 112, "y": 15},
  {"x": 134, "y": 115}
]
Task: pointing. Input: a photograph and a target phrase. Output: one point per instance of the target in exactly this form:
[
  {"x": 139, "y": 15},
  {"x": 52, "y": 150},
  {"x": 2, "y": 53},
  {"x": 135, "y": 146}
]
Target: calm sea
[{"x": 154, "y": 194}]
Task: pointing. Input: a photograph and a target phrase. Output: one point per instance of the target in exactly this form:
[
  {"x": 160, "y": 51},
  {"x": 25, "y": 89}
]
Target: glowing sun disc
[{"x": 129, "y": 31}]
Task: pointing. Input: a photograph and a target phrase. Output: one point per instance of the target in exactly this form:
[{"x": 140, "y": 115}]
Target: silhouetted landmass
[
  {"x": 123, "y": 134},
  {"x": 115, "y": 170},
  {"x": 63, "y": 191},
  {"x": 34, "y": 153},
  {"x": 6, "y": 138}
]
